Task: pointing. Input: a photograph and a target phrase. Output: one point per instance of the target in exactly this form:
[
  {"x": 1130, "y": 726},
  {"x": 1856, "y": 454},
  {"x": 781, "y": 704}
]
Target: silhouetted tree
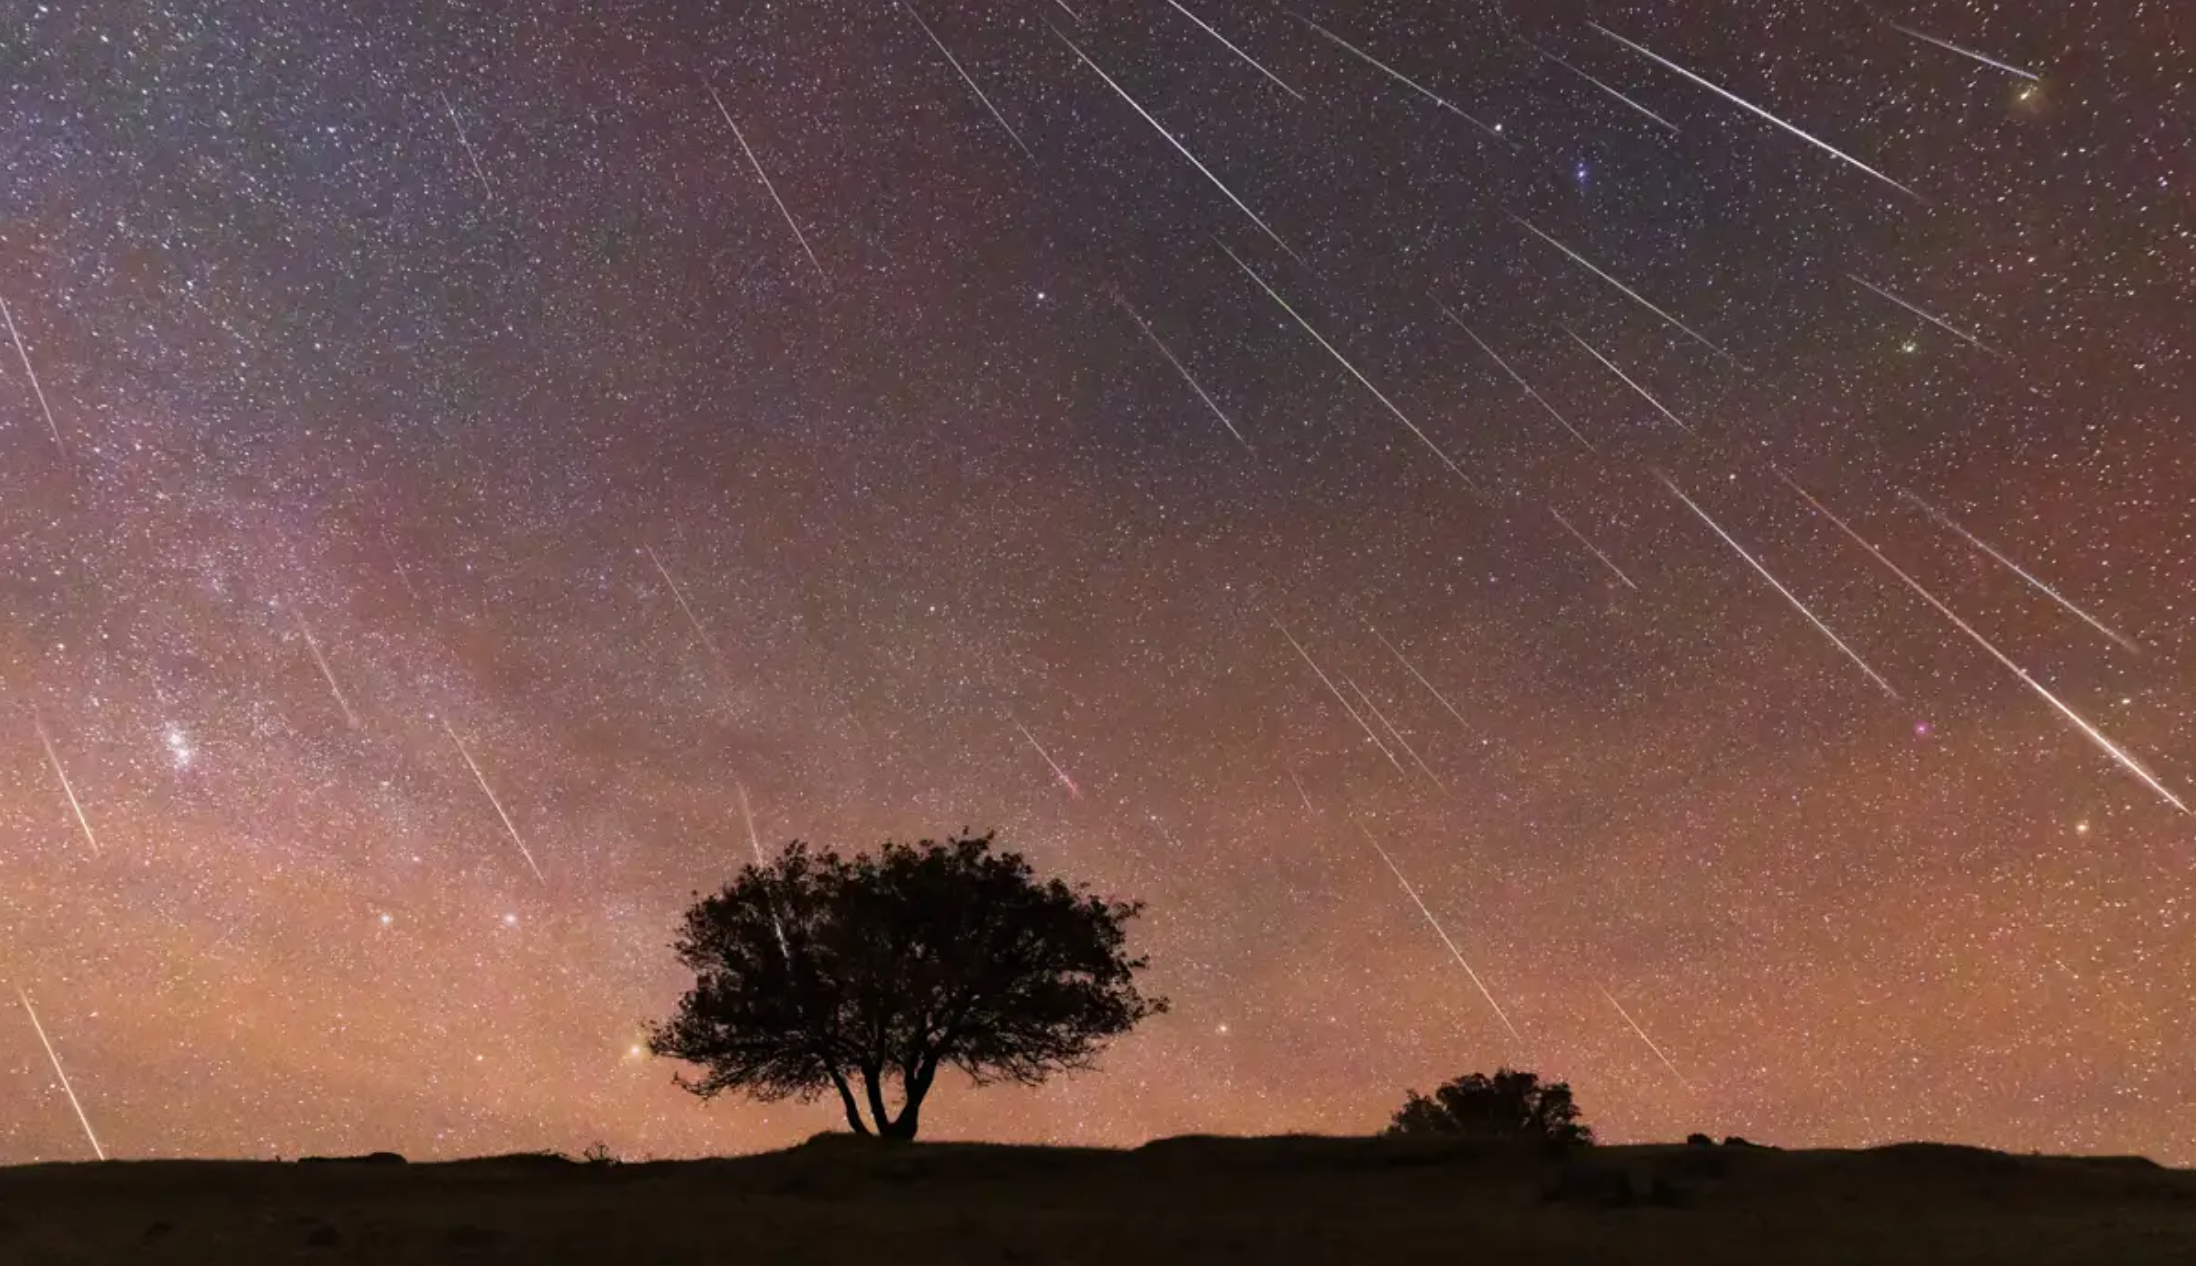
[
  {"x": 817, "y": 972},
  {"x": 1508, "y": 1105}
]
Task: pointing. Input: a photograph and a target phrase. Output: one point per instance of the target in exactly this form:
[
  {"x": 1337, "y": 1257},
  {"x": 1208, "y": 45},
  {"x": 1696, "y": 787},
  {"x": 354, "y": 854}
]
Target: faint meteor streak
[
  {"x": 955, "y": 62},
  {"x": 679, "y": 595},
  {"x": 1303, "y": 795},
  {"x": 471, "y": 154},
  {"x": 1181, "y": 369},
  {"x": 1336, "y": 691},
  {"x": 754, "y": 841},
  {"x": 2096, "y": 736},
  {"x": 1439, "y": 931},
  {"x": 1634, "y": 295},
  {"x": 1363, "y": 381},
  {"x": 1057, "y": 772},
  {"x": 1179, "y": 147},
  {"x": 313, "y": 644},
  {"x": 1397, "y": 734},
  {"x": 488, "y": 791},
  {"x": 1737, "y": 100},
  {"x": 1932, "y": 318},
  {"x": 1984, "y": 58},
  {"x": 398, "y": 561},
  {"x": 1648, "y": 1040},
  {"x": 1413, "y": 670},
  {"x": 2122, "y": 641},
  {"x": 1519, "y": 379},
  {"x": 1237, "y": 51},
  {"x": 76, "y": 806},
  {"x": 1592, "y": 548},
  {"x": 1627, "y": 378},
  {"x": 1604, "y": 87},
  {"x": 1778, "y": 585},
  {"x": 764, "y": 176},
  {"x": 1397, "y": 75},
  {"x": 62, "y": 1074},
  {"x": 32, "y": 374}
]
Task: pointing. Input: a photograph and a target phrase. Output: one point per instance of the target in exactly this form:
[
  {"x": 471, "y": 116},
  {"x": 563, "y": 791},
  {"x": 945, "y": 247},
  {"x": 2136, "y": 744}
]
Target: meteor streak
[
  {"x": 1592, "y": 548},
  {"x": 1984, "y": 58},
  {"x": 1439, "y": 931},
  {"x": 1303, "y": 795},
  {"x": 1941, "y": 517},
  {"x": 471, "y": 155},
  {"x": 1413, "y": 670},
  {"x": 1632, "y": 294},
  {"x": 1336, "y": 691},
  {"x": 1648, "y": 1040},
  {"x": 1363, "y": 381},
  {"x": 1932, "y": 318},
  {"x": 1397, "y": 734},
  {"x": 488, "y": 791},
  {"x": 764, "y": 176},
  {"x": 1237, "y": 51},
  {"x": 75, "y": 806},
  {"x": 1181, "y": 369},
  {"x": 1604, "y": 87},
  {"x": 1778, "y": 585},
  {"x": 1179, "y": 147},
  {"x": 1737, "y": 100},
  {"x": 680, "y": 595},
  {"x": 777, "y": 924},
  {"x": 1612, "y": 367},
  {"x": 955, "y": 62},
  {"x": 313, "y": 644},
  {"x": 2096, "y": 736},
  {"x": 32, "y": 374},
  {"x": 1397, "y": 75},
  {"x": 1061, "y": 774},
  {"x": 62, "y": 1074},
  {"x": 1519, "y": 379}
]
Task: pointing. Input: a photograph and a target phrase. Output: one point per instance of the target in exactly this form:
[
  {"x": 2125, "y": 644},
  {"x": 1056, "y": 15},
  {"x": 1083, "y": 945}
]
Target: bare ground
[{"x": 1191, "y": 1200}]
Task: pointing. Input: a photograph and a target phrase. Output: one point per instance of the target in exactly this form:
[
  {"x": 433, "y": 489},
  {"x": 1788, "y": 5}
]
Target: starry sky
[{"x": 446, "y": 457}]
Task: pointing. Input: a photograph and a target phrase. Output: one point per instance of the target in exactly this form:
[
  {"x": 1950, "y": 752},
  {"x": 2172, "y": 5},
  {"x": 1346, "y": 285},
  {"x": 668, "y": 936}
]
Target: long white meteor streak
[
  {"x": 1181, "y": 369},
  {"x": 955, "y": 62},
  {"x": 62, "y": 1074},
  {"x": 1397, "y": 734},
  {"x": 1179, "y": 147},
  {"x": 1342, "y": 360},
  {"x": 1253, "y": 62},
  {"x": 1439, "y": 931},
  {"x": 754, "y": 841},
  {"x": 680, "y": 595},
  {"x": 1604, "y": 87},
  {"x": 313, "y": 644},
  {"x": 1413, "y": 670},
  {"x": 32, "y": 374},
  {"x": 2122, "y": 641},
  {"x": 1930, "y": 317},
  {"x": 75, "y": 806},
  {"x": 1519, "y": 379},
  {"x": 490, "y": 792},
  {"x": 1592, "y": 548},
  {"x": 764, "y": 176},
  {"x": 1984, "y": 58},
  {"x": 1778, "y": 585},
  {"x": 1397, "y": 75},
  {"x": 1630, "y": 293},
  {"x": 487, "y": 190},
  {"x": 2096, "y": 736},
  {"x": 1648, "y": 1040},
  {"x": 1737, "y": 100},
  {"x": 1627, "y": 379},
  {"x": 1057, "y": 772},
  {"x": 1336, "y": 691}
]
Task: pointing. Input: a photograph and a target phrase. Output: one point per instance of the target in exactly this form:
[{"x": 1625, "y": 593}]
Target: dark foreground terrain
[{"x": 1190, "y": 1200}]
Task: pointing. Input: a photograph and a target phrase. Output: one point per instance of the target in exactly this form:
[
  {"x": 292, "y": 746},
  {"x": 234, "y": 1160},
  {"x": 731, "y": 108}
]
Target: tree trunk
[{"x": 846, "y": 1100}]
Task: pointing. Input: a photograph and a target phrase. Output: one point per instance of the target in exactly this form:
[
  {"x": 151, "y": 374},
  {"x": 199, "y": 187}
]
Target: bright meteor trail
[
  {"x": 1439, "y": 931},
  {"x": 1413, "y": 670},
  {"x": 1634, "y": 295},
  {"x": 1604, "y": 87},
  {"x": 1648, "y": 1040},
  {"x": 1252, "y": 61},
  {"x": 63, "y": 1075},
  {"x": 489, "y": 792},
  {"x": 955, "y": 62},
  {"x": 75, "y": 806},
  {"x": 1627, "y": 379},
  {"x": 313, "y": 644},
  {"x": 1930, "y": 317},
  {"x": 32, "y": 374},
  {"x": 1181, "y": 369},
  {"x": 1592, "y": 548},
  {"x": 2096, "y": 736},
  {"x": 680, "y": 596},
  {"x": 1336, "y": 691},
  {"x": 1984, "y": 58},
  {"x": 1057, "y": 772},
  {"x": 1397, "y": 75},
  {"x": 1778, "y": 585},
  {"x": 2122, "y": 641},
  {"x": 1737, "y": 100},
  {"x": 764, "y": 176},
  {"x": 1519, "y": 379}
]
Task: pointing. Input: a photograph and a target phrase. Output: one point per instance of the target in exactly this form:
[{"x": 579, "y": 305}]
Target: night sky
[{"x": 431, "y": 383}]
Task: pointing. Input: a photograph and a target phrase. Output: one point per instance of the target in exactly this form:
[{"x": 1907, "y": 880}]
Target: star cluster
[{"x": 454, "y": 452}]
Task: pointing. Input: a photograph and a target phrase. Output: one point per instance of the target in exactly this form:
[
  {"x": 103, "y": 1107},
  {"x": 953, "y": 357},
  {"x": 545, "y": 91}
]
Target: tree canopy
[
  {"x": 817, "y": 972},
  {"x": 1508, "y": 1105}
]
